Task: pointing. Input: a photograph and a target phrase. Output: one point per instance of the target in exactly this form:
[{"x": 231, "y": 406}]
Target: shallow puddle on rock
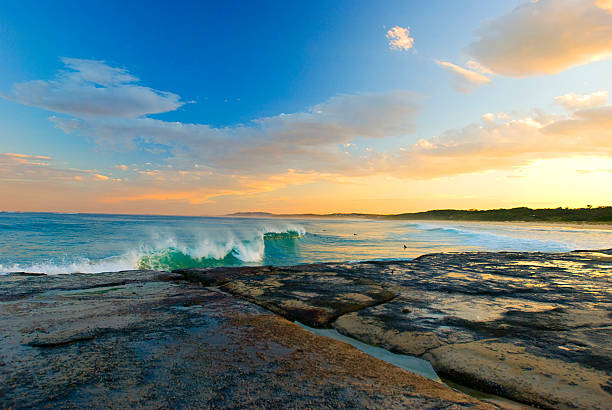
[
  {"x": 414, "y": 365},
  {"x": 403, "y": 361}
]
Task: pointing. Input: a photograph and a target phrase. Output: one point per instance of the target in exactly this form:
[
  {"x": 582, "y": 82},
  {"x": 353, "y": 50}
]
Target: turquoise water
[{"x": 65, "y": 243}]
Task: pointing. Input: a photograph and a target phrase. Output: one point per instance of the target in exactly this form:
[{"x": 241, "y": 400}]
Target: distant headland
[{"x": 522, "y": 214}]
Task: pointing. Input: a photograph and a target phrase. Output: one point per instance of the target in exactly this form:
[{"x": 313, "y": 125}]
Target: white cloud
[
  {"x": 464, "y": 80},
  {"x": 91, "y": 88},
  {"x": 399, "y": 38},
  {"x": 574, "y": 101},
  {"x": 96, "y": 72},
  {"x": 314, "y": 142},
  {"x": 545, "y": 37}
]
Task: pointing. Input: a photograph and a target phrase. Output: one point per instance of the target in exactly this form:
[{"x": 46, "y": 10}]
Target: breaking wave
[{"x": 224, "y": 248}]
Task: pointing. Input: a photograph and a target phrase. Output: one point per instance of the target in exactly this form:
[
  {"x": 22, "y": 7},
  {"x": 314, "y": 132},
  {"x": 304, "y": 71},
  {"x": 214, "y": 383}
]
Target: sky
[{"x": 203, "y": 108}]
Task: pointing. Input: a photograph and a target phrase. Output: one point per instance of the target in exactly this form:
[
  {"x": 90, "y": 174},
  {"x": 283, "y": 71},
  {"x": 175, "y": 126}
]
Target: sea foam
[{"x": 163, "y": 250}]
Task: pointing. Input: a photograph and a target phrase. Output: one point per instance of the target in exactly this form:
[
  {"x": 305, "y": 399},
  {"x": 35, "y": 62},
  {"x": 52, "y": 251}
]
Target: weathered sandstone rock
[
  {"x": 556, "y": 307},
  {"x": 146, "y": 340},
  {"x": 315, "y": 298},
  {"x": 533, "y": 327},
  {"x": 512, "y": 371}
]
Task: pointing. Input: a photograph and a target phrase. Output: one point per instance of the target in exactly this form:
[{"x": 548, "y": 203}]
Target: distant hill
[
  {"x": 253, "y": 214},
  {"x": 598, "y": 214},
  {"x": 334, "y": 215}
]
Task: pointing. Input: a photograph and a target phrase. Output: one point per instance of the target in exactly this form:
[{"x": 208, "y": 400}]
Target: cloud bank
[
  {"x": 509, "y": 143},
  {"x": 329, "y": 141},
  {"x": 308, "y": 141}
]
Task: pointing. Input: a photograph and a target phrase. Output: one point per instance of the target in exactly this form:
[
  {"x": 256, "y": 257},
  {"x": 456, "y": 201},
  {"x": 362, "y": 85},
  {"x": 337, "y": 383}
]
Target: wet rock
[
  {"x": 219, "y": 276},
  {"x": 557, "y": 308},
  {"x": 64, "y": 336},
  {"x": 371, "y": 330},
  {"x": 112, "y": 341},
  {"x": 315, "y": 298},
  {"x": 23, "y": 284},
  {"x": 412, "y": 323}
]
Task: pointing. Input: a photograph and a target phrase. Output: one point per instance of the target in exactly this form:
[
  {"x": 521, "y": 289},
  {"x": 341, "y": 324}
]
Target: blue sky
[
  {"x": 234, "y": 63},
  {"x": 271, "y": 57}
]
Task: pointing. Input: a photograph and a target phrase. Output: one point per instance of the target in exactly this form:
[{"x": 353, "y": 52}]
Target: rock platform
[
  {"x": 141, "y": 339},
  {"x": 532, "y": 327}
]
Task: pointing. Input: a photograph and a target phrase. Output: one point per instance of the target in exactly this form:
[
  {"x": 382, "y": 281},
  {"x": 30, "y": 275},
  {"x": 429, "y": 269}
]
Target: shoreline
[{"x": 254, "y": 265}]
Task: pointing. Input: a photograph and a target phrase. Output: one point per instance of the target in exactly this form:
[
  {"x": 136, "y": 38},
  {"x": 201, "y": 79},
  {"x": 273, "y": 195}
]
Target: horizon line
[{"x": 238, "y": 213}]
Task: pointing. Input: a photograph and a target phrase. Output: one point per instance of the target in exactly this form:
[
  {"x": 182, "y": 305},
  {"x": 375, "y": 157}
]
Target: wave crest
[
  {"x": 165, "y": 252},
  {"x": 231, "y": 253}
]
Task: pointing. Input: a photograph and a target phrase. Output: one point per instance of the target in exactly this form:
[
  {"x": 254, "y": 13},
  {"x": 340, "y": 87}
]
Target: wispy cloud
[
  {"x": 92, "y": 88},
  {"x": 39, "y": 168},
  {"x": 476, "y": 66},
  {"x": 23, "y": 157},
  {"x": 465, "y": 80},
  {"x": 399, "y": 38},
  {"x": 545, "y": 37}
]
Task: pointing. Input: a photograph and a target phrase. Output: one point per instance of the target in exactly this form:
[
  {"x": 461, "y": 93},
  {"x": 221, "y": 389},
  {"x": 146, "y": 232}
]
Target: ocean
[{"x": 66, "y": 243}]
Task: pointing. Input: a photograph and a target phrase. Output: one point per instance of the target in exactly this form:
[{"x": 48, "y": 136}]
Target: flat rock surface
[
  {"x": 512, "y": 371},
  {"x": 314, "y": 297},
  {"x": 555, "y": 308},
  {"x": 147, "y": 340}
]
